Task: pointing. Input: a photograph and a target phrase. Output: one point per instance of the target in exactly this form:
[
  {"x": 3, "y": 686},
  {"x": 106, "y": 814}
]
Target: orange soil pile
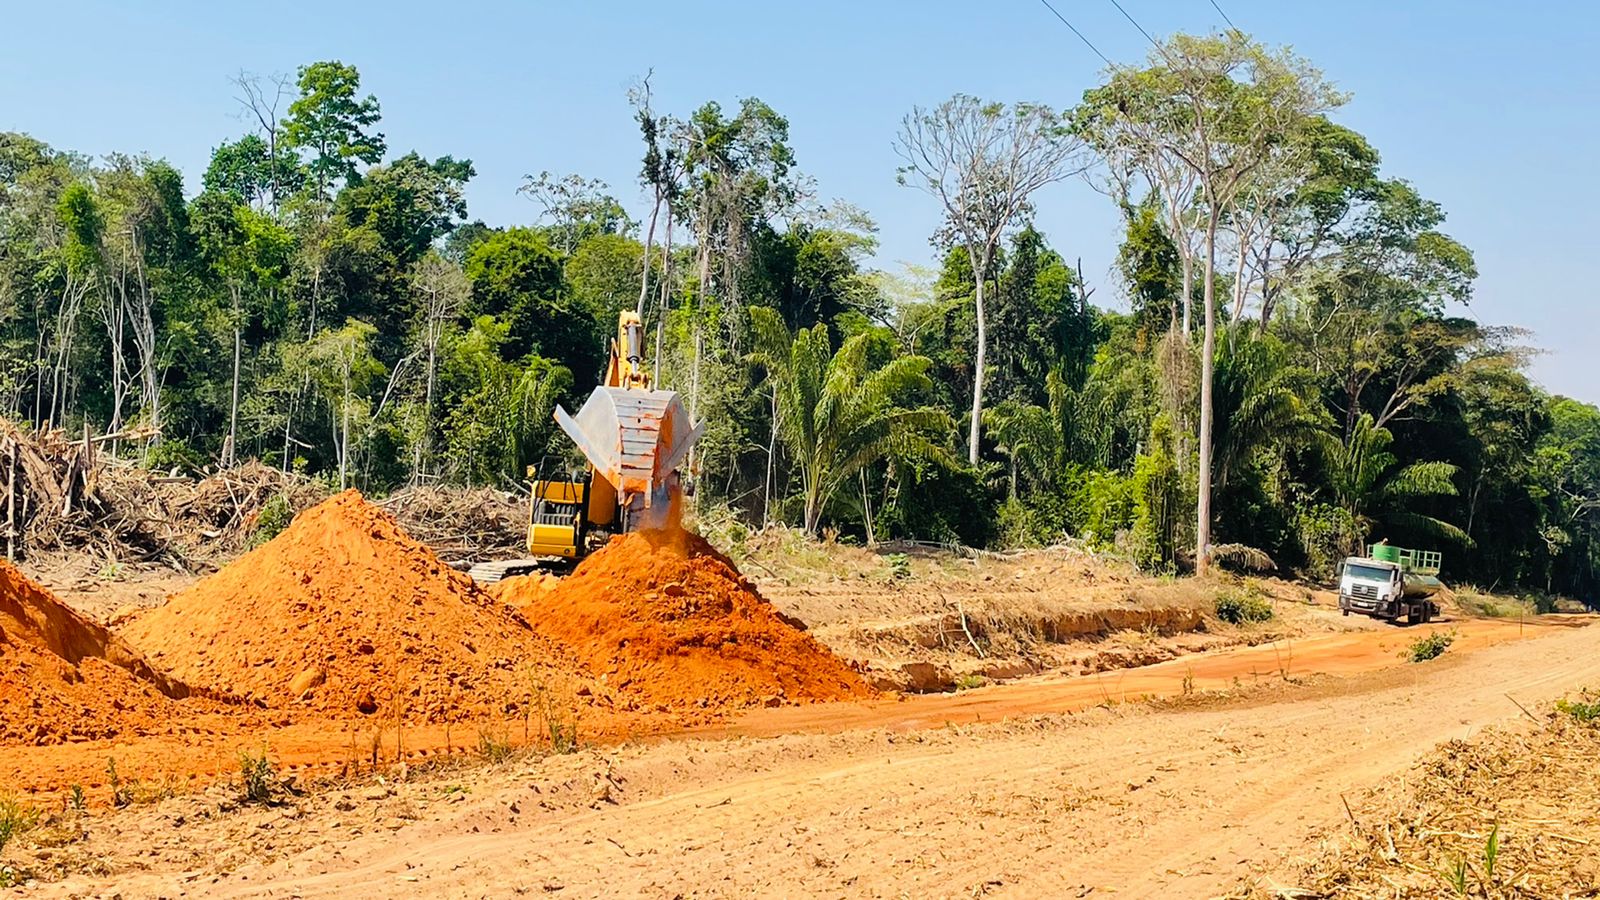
[
  {"x": 345, "y": 614},
  {"x": 663, "y": 617},
  {"x": 62, "y": 677},
  {"x": 523, "y": 591}
]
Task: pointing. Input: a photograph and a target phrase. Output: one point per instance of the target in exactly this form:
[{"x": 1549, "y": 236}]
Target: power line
[
  {"x": 1223, "y": 15},
  {"x": 1086, "y": 41},
  {"x": 1136, "y": 24}
]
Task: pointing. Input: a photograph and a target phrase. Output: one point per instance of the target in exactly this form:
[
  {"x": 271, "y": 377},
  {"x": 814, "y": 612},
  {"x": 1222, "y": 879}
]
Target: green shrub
[
  {"x": 1585, "y": 709},
  {"x": 15, "y": 818},
  {"x": 1156, "y": 489},
  {"x": 1106, "y": 502},
  {"x": 1429, "y": 647},
  {"x": 1326, "y": 532},
  {"x": 274, "y": 517},
  {"x": 494, "y": 745},
  {"x": 899, "y": 566},
  {"x": 170, "y": 455},
  {"x": 1242, "y": 607},
  {"x": 257, "y": 776}
]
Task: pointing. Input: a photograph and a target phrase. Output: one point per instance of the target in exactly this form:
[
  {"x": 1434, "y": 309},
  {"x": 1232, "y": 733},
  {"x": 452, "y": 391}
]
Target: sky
[{"x": 1492, "y": 109}]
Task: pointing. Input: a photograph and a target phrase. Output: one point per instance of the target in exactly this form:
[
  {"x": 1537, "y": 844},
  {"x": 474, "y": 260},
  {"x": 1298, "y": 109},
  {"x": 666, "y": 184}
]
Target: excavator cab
[{"x": 556, "y": 523}]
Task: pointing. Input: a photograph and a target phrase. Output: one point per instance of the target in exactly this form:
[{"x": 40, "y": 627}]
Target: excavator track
[{"x": 500, "y": 570}]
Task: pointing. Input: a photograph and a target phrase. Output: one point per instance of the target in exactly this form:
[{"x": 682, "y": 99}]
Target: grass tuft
[
  {"x": 1429, "y": 647},
  {"x": 257, "y": 777}
]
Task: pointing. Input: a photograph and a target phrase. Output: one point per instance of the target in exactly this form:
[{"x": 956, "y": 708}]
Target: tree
[
  {"x": 500, "y": 413},
  {"x": 836, "y": 413},
  {"x": 1220, "y": 105},
  {"x": 79, "y": 264},
  {"x": 983, "y": 162},
  {"x": 251, "y": 253},
  {"x": 409, "y": 203},
  {"x": 328, "y": 119},
  {"x": 443, "y": 290},
  {"x": 517, "y": 277},
  {"x": 1372, "y": 491},
  {"x": 1264, "y": 403},
  {"x": 249, "y": 169},
  {"x": 259, "y": 99},
  {"x": 578, "y": 207},
  {"x": 342, "y": 365}
]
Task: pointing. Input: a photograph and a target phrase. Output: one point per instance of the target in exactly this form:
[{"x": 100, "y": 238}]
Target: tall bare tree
[
  {"x": 983, "y": 162},
  {"x": 1222, "y": 105},
  {"x": 260, "y": 97}
]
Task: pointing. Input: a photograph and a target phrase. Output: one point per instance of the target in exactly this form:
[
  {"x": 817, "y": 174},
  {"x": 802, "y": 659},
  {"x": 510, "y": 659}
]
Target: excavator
[{"x": 635, "y": 439}]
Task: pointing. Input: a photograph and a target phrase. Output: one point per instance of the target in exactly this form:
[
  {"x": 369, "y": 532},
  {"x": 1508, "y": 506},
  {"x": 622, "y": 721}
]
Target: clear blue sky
[{"x": 1490, "y": 108}]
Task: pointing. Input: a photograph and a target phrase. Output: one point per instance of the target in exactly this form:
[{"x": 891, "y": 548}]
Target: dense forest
[{"x": 1287, "y": 373}]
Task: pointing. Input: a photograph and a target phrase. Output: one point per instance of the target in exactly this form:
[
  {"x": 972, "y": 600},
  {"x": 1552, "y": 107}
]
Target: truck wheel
[{"x": 1413, "y": 617}]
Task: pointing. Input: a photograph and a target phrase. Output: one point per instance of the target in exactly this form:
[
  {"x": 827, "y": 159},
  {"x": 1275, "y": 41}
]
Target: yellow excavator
[{"x": 635, "y": 439}]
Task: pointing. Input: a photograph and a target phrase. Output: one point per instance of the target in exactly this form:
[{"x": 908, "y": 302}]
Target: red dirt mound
[
  {"x": 665, "y": 618},
  {"x": 62, "y": 677},
  {"x": 523, "y": 591},
  {"x": 345, "y": 614}
]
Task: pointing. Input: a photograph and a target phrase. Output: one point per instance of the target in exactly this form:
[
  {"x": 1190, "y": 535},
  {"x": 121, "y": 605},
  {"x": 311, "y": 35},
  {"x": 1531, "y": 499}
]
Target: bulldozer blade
[{"x": 633, "y": 438}]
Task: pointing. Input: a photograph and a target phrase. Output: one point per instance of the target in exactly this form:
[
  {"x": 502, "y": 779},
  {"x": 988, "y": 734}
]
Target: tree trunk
[
  {"x": 975, "y": 433},
  {"x": 425, "y": 444},
  {"x": 666, "y": 289},
  {"x": 233, "y": 407},
  {"x": 1239, "y": 293},
  {"x": 866, "y": 509},
  {"x": 1188, "y": 293},
  {"x": 1267, "y": 294},
  {"x": 344, "y": 434},
  {"x": 772, "y": 452},
  {"x": 649, "y": 239},
  {"x": 1202, "y": 539},
  {"x": 231, "y": 447}
]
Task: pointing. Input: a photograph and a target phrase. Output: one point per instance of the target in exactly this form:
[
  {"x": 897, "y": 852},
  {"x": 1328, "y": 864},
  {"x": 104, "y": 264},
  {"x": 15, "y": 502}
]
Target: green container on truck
[{"x": 1391, "y": 583}]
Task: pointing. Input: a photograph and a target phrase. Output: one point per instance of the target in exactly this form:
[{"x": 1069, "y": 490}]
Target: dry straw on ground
[{"x": 1511, "y": 813}]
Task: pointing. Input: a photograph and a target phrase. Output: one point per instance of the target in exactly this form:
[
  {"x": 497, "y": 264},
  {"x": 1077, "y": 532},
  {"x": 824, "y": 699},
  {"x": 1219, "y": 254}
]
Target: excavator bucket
[{"x": 635, "y": 439}]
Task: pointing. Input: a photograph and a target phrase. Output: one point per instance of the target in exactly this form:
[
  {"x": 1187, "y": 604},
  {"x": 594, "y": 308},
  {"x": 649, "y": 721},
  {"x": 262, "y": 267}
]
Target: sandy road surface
[{"x": 1130, "y": 801}]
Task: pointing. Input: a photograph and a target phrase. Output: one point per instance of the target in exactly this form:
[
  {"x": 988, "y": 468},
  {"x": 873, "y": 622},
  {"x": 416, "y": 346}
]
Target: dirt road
[{"x": 1139, "y": 802}]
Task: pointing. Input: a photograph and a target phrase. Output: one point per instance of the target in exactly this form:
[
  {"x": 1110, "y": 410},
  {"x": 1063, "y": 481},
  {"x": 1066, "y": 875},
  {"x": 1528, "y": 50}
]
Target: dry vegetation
[
  {"x": 928, "y": 618},
  {"x": 1512, "y": 813}
]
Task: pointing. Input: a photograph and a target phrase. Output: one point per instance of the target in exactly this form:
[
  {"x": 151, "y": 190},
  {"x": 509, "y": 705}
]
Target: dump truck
[
  {"x": 1391, "y": 583},
  {"x": 635, "y": 438}
]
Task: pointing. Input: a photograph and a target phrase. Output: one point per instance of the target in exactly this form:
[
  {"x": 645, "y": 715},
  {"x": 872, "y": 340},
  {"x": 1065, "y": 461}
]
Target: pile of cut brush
[
  {"x": 462, "y": 524},
  {"x": 61, "y": 494},
  {"x": 51, "y": 496},
  {"x": 1507, "y": 814}
]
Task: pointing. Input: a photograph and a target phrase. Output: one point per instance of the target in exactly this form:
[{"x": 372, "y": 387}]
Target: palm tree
[
  {"x": 1262, "y": 402},
  {"x": 834, "y": 416},
  {"x": 1038, "y": 440},
  {"x": 1372, "y": 491}
]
